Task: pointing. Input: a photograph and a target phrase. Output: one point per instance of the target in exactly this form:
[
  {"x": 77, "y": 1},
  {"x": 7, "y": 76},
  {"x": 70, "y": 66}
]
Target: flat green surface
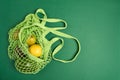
[{"x": 96, "y": 23}]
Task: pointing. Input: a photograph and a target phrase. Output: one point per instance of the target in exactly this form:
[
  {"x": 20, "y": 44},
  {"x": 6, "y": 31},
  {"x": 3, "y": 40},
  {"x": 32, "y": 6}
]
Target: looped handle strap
[
  {"x": 45, "y": 19},
  {"x": 61, "y": 45},
  {"x": 54, "y": 31},
  {"x": 56, "y": 21}
]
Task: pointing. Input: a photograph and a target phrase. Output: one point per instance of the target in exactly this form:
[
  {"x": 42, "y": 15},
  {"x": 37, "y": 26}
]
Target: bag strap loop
[
  {"x": 61, "y": 45},
  {"x": 42, "y": 20},
  {"x": 56, "y": 32}
]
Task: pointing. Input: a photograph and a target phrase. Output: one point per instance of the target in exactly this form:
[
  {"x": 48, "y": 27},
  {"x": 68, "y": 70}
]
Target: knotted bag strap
[{"x": 56, "y": 32}]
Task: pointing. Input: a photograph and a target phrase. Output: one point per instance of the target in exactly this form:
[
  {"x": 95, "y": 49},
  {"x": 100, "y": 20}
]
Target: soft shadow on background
[{"x": 96, "y": 23}]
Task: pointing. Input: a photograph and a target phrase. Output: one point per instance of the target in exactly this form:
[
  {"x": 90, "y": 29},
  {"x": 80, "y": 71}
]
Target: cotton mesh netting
[
  {"x": 33, "y": 25},
  {"x": 19, "y": 52}
]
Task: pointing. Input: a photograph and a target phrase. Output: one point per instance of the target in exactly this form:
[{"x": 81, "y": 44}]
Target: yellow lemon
[
  {"x": 36, "y": 50},
  {"x": 31, "y": 40}
]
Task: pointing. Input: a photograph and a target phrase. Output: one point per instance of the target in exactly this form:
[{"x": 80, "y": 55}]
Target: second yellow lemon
[{"x": 31, "y": 40}]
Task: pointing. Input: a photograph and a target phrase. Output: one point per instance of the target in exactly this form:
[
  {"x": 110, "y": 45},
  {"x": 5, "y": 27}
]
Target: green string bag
[{"x": 18, "y": 49}]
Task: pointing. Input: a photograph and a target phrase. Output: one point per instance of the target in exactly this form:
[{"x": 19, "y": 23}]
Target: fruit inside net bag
[{"x": 29, "y": 47}]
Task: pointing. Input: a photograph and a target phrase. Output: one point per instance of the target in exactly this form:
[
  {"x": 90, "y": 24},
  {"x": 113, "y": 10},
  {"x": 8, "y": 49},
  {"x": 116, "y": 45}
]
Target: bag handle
[
  {"x": 52, "y": 20},
  {"x": 41, "y": 11},
  {"x": 61, "y": 45},
  {"x": 54, "y": 31}
]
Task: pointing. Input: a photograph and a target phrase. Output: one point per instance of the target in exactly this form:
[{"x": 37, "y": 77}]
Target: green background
[{"x": 96, "y": 23}]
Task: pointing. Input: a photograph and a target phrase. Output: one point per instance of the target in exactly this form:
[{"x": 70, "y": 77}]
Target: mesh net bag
[{"x": 33, "y": 25}]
